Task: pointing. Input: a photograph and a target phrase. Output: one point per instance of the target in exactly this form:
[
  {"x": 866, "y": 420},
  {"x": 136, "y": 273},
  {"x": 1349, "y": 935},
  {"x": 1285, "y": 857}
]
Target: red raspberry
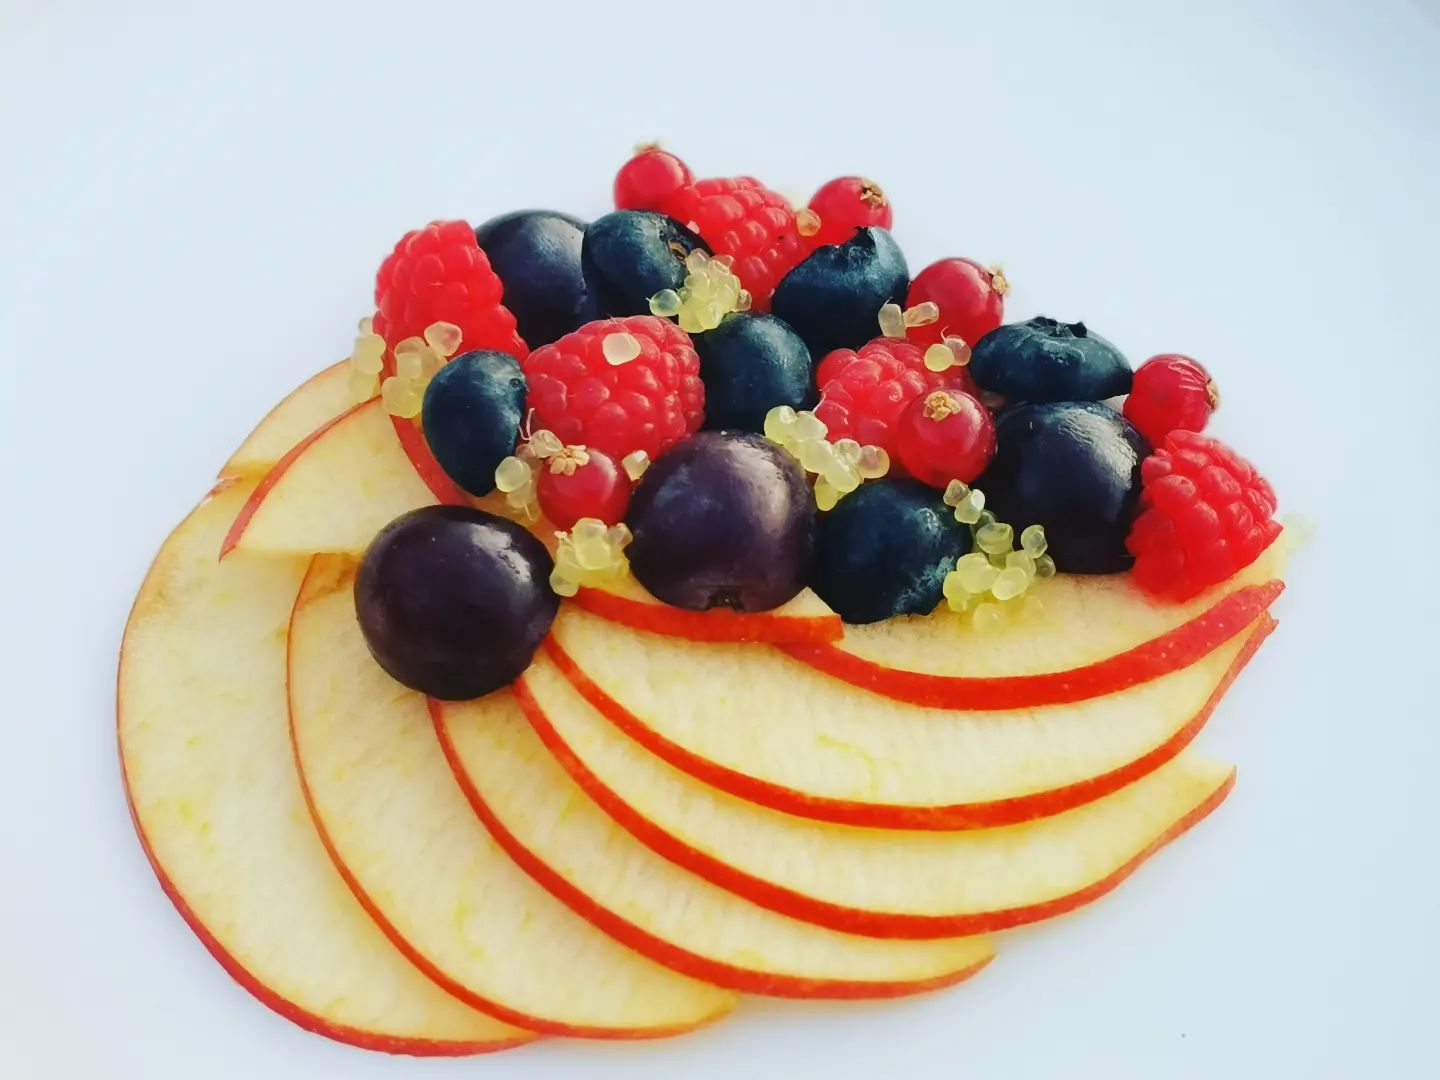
[
  {"x": 645, "y": 403},
  {"x": 845, "y": 204},
  {"x": 744, "y": 219},
  {"x": 863, "y": 393},
  {"x": 971, "y": 300},
  {"x": 439, "y": 274},
  {"x": 1205, "y": 514},
  {"x": 1171, "y": 393},
  {"x": 649, "y": 179}
]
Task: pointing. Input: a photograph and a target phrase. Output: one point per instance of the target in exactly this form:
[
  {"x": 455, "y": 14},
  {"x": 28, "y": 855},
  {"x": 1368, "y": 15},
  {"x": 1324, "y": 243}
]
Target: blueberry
[
  {"x": 723, "y": 519},
  {"x": 885, "y": 550},
  {"x": 630, "y": 255},
  {"x": 472, "y": 413},
  {"x": 1045, "y": 360},
  {"x": 750, "y": 364},
  {"x": 1073, "y": 467},
  {"x": 834, "y": 297},
  {"x": 536, "y": 253}
]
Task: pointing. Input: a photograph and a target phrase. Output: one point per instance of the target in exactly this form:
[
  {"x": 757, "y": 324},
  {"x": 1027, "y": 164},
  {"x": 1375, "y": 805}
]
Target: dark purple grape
[
  {"x": 724, "y": 519},
  {"x": 454, "y": 601}
]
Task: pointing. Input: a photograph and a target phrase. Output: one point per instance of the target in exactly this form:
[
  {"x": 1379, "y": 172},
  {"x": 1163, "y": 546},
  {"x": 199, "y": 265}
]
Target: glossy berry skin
[
  {"x": 845, "y": 204},
  {"x": 1073, "y": 467},
  {"x": 725, "y": 519},
  {"x": 945, "y": 435},
  {"x": 864, "y": 392},
  {"x": 471, "y": 416},
  {"x": 439, "y": 274},
  {"x": 885, "y": 550},
  {"x": 1171, "y": 393},
  {"x": 647, "y": 403},
  {"x": 596, "y": 488},
  {"x": 649, "y": 180},
  {"x": 630, "y": 255},
  {"x": 1205, "y": 514},
  {"x": 1044, "y": 360},
  {"x": 536, "y": 254},
  {"x": 750, "y": 364},
  {"x": 971, "y": 301},
  {"x": 833, "y": 298},
  {"x": 741, "y": 217},
  {"x": 454, "y": 601}
]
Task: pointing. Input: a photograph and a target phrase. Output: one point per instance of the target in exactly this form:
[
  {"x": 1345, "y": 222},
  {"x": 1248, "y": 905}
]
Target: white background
[{"x": 193, "y": 198}]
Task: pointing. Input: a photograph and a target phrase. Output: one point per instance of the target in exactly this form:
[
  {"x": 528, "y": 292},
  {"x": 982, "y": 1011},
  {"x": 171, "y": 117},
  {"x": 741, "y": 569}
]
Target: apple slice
[
  {"x": 577, "y": 852},
  {"x": 806, "y": 618},
  {"x": 1097, "y": 635},
  {"x": 209, "y": 774},
  {"x": 406, "y": 840},
  {"x": 881, "y": 882},
  {"x": 750, "y": 720},
  {"x": 331, "y": 492},
  {"x": 324, "y": 396}
]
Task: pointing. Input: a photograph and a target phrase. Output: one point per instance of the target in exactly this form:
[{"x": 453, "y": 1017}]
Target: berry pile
[{"x": 734, "y": 399}]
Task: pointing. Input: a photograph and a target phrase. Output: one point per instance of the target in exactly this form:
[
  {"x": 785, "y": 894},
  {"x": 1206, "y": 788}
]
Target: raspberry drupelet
[
  {"x": 1205, "y": 514},
  {"x": 618, "y": 385}
]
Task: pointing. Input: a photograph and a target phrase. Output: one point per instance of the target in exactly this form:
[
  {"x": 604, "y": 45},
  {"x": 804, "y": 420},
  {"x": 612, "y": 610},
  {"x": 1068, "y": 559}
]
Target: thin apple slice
[
  {"x": 805, "y": 619},
  {"x": 210, "y": 777},
  {"x": 332, "y": 492},
  {"x": 752, "y": 721},
  {"x": 881, "y": 882},
  {"x": 584, "y": 858},
  {"x": 1098, "y": 634},
  {"x": 323, "y": 396},
  {"x": 406, "y": 840}
]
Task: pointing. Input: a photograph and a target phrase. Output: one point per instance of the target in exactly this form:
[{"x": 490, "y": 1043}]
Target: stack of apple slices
[{"x": 669, "y": 809}]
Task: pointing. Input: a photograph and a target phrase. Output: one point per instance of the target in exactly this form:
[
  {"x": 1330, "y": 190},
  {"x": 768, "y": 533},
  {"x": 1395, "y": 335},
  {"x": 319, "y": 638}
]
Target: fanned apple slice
[
  {"x": 881, "y": 882},
  {"x": 406, "y": 840},
  {"x": 806, "y": 618},
  {"x": 573, "y": 848},
  {"x": 752, "y": 721},
  {"x": 323, "y": 396},
  {"x": 1098, "y": 634},
  {"x": 209, "y": 773}
]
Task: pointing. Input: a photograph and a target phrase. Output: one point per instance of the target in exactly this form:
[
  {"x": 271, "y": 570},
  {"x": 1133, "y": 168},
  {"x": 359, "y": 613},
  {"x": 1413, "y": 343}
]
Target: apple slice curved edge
[
  {"x": 580, "y": 855},
  {"x": 201, "y": 705},
  {"x": 320, "y": 398}
]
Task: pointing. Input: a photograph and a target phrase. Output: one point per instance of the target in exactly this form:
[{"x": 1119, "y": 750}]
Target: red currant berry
[
  {"x": 649, "y": 179},
  {"x": 945, "y": 435},
  {"x": 845, "y": 204},
  {"x": 581, "y": 482},
  {"x": 970, "y": 297},
  {"x": 1170, "y": 393}
]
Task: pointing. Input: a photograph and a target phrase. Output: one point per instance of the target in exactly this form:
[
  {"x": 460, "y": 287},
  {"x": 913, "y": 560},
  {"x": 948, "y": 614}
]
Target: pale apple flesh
[
  {"x": 397, "y": 823},
  {"x": 205, "y": 752},
  {"x": 881, "y": 882},
  {"x": 1097, "y": 634},
  {"x": 752, "y": 721},
  {"x": 320, "y": 398},
  {"x": 571, "y": 846}
]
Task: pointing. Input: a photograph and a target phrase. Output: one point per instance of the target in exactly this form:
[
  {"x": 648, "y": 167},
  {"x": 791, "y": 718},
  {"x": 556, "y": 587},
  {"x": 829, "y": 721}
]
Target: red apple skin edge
[
  {"x": 948, "y": 818},
  {"x": 715, "y": 625},
  {"x": 365, "y": 1040},
  {"x": 412, "y": 441},
  {"x": 264, "y": 420},
  {"x": 837, "y": 916},
  {"x": 1171, "y": 651},
  {"x": 440, "y": 978},
  {"x": 663, "y": 952}
]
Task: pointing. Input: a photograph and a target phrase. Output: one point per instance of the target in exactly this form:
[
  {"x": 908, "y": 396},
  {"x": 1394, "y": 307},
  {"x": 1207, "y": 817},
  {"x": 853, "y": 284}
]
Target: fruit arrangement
[{"x": 684, "y": 604}]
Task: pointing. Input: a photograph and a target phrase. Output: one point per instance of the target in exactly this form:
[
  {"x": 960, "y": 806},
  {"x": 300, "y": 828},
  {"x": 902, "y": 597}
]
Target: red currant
[
  {"x": 649, "y": 179},
  {"x": 845, "y": 204},
  {"x": 1170, "y": 393},
  {"x": 970, "y": 297},
  {"x": 945, "y": 435},
  {"x": 581, "y": 482}
]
